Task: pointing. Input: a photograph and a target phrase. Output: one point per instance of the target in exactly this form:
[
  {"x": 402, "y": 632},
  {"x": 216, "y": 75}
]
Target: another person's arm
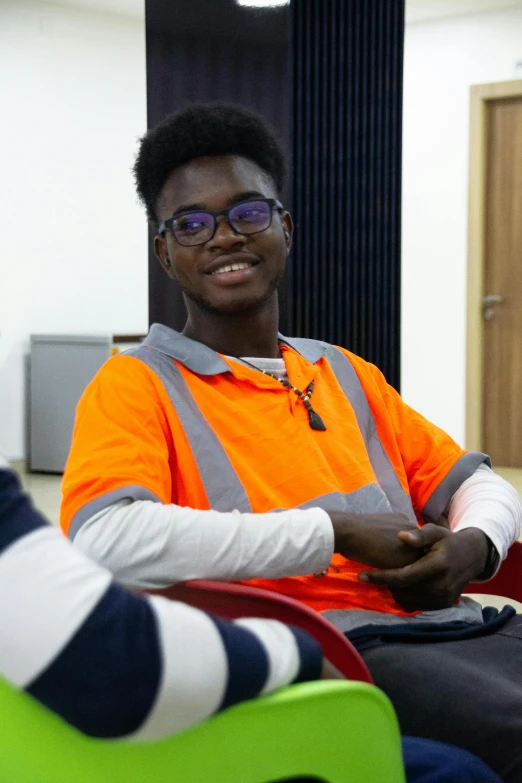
[{"x": 115, "y": 664}]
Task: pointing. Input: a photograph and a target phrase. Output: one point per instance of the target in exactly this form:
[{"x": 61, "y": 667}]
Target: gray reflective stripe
[
  {"x": 369, "y": 499},
  {"x": 132, "y": 491},
  {"x": 224, "y": 490},
  {"x": 384, "y": 472},
  {"x": 463, "y": 469}
]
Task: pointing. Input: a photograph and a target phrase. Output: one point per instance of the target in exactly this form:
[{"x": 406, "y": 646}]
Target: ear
[
  {"x": 288, "y": 230},
  {"x": 162, "y": 254}
]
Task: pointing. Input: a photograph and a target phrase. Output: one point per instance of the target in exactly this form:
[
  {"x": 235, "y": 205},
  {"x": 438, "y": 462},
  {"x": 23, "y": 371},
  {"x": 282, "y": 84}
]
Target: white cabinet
[{"x": 61, "y": 366}]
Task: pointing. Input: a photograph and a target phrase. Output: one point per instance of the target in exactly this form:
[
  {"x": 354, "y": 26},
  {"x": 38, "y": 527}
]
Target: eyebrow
[{"x": 247, "y": 194}]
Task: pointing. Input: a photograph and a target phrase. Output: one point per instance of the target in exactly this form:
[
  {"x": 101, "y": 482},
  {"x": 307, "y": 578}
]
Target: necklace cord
[{"x": 315, "y": 421}]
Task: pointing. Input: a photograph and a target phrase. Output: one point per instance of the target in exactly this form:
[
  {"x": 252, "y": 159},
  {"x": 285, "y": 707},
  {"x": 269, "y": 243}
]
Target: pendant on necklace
[{"x": 316, "y": 423}]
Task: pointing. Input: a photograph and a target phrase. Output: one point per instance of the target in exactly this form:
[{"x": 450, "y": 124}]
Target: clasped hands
[{"x": 424, "y": 568}]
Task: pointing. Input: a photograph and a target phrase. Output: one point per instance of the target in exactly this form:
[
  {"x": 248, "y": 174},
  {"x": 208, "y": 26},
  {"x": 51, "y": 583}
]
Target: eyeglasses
[{"x": 195, "y": 228}]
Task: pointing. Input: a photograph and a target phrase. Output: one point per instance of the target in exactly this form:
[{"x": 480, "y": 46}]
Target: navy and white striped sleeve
[{"x": 115, "y": 664}]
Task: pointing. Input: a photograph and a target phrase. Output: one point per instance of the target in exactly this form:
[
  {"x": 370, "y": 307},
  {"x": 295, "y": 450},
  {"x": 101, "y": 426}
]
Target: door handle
[
  {"x": 492, "y": 299},
  {"x": 488, "y": 305}
]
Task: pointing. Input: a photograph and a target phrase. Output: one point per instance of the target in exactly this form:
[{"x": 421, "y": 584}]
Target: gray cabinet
[{"x": 61, "y": 366}]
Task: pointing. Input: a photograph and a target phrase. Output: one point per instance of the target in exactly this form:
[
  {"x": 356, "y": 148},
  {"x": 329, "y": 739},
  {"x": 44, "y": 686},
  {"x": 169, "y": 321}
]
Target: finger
[
  {"x": 399, "y": 578},
  {"x": 423, "y": 537},
  {"x": 412, "y": 538}
]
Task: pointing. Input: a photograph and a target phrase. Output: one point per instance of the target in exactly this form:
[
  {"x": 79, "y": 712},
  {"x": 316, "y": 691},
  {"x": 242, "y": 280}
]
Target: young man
[
  {"x": 149, "y": 667},
  {"x": 232, "y": 452}
]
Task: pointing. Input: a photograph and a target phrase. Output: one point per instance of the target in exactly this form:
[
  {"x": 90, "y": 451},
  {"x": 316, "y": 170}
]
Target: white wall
[
  {"x": 442, "y": 60},
  {"x": 73, "y": 241}
]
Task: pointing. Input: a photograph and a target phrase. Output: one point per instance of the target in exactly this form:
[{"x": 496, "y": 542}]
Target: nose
[{"x": 225, "y": 236}]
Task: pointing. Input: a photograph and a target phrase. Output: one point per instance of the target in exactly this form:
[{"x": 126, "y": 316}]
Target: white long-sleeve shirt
[
  {"x": 115, "y": 664},
  {"x": 151, "y": 545},
  {"x": 488, "y": 502}
]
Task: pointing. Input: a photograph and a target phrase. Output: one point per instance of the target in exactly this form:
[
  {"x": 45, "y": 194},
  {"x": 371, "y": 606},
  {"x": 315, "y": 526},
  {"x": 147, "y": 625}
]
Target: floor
[{"x": 45, "y": 491}]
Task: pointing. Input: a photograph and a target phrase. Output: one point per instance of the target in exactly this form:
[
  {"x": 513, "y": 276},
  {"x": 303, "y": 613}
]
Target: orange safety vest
[{"x": 175, "y": 422}]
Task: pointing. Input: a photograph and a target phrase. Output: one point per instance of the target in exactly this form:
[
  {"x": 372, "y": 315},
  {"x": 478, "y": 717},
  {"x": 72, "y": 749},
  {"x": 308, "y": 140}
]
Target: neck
[{"x": 236, "y": 334}]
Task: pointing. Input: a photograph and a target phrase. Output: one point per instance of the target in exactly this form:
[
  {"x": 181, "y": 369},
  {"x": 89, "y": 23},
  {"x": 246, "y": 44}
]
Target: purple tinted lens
[
  {"x": 251, "y": 216},
  {"x": 192, "y": 228}
]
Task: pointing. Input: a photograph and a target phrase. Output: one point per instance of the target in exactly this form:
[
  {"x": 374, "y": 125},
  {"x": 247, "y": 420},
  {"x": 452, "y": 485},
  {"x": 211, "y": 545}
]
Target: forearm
[
  {"x": 151, "y": 545},
  {"x": 486, "y": 502},
  {"x": 373, "y": 539},
  {"x": 210, "y": 664}
]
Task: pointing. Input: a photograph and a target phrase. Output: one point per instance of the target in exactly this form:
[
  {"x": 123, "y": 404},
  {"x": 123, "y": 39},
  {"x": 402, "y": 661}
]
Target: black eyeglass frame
[{"x": 167, "y": 224}]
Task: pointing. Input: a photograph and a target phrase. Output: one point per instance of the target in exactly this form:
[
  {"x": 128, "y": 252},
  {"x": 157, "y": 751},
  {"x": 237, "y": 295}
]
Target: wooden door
[{"x": 502, "y": 300}]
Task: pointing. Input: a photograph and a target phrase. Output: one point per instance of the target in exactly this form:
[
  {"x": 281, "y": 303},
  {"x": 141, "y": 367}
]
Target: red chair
[
  {"x": 508, "y": 580},
  {"x": 233, "y": 601}
]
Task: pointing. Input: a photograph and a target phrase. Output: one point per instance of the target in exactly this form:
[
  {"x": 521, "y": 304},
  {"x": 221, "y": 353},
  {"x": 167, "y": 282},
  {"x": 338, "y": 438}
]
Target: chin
[{"x": 234, "y": 305}]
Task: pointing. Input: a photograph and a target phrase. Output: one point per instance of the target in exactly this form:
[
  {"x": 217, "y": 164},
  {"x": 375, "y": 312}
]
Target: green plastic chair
[{"x": 336, "y": 731}]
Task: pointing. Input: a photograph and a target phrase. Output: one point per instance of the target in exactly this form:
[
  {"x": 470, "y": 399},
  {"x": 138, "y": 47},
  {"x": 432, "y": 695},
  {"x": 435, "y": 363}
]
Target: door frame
[{"x": 480, "y": 94}]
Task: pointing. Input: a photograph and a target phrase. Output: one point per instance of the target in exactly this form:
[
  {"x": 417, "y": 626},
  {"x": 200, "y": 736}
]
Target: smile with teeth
[{"x": 232, "y": 268}]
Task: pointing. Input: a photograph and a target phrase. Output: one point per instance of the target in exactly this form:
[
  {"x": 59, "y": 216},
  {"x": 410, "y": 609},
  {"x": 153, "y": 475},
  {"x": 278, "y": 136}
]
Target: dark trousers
[
  {"x": 433, "y": 762},
  {"x": 466, "y": 693}
]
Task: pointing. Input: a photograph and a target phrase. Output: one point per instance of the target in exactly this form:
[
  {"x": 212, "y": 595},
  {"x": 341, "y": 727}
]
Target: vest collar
[
  {"x": 203, "y": 360},
  {"x": 312, "y": 350}
]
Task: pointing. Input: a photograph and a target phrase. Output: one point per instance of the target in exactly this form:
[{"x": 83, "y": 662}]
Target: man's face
[{"x": 215, "y": 183}]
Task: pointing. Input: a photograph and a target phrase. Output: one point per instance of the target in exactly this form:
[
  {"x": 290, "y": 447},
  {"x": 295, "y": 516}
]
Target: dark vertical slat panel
[
  {"x": 381, "y": 125},
  {"x": 331, "y": 183},
  {"x": 340, "y": 93},
  {"x": 321, "y": 200},
  {"x": 309, "y": 140},
  {"x": 344, "y": 281}
]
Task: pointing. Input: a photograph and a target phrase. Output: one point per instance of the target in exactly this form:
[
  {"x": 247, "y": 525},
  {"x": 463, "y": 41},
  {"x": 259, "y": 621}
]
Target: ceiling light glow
[{"x": 262, "y": 3}]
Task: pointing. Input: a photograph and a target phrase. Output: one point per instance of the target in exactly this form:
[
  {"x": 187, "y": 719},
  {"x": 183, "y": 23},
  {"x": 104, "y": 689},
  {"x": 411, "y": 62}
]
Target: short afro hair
[{"x": 203, "y": 129}]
